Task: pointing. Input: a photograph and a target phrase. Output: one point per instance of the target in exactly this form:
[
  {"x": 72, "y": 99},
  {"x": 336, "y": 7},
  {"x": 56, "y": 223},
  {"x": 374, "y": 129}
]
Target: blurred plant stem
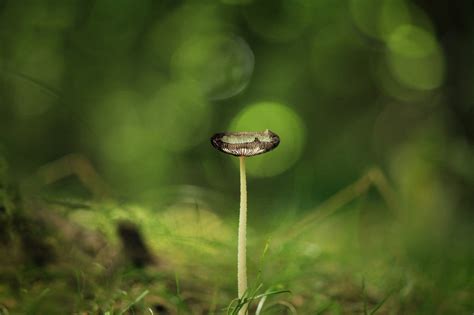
[{"x": 374, "y": 177}]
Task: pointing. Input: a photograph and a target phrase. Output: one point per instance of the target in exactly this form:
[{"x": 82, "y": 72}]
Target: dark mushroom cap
[{"x": 245, "y": 143}]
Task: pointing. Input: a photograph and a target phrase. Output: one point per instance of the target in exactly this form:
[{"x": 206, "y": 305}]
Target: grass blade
[{"x": 138, "y": 299}]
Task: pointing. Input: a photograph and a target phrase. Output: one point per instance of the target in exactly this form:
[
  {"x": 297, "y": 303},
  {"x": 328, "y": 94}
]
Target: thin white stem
[{"x": 242, "y": 241}]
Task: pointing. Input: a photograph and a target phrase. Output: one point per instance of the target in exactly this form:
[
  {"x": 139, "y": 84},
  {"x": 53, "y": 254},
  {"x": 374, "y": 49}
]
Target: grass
[{"x": 337, "y": 263}]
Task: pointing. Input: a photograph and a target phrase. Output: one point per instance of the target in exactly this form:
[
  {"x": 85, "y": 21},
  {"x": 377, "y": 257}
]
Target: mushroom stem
[{"x": 242, "y": 240}]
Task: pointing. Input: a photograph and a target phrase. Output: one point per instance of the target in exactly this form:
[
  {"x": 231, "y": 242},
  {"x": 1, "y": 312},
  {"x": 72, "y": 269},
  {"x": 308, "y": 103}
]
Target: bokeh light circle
[
  {"x": 387, "y": 83},
  {"x": 364, "y": 14},
  {"x": 415, "y": 58},
  {"x": 283, "y": 121},
  {"x": 220, "y": 65},
  {"x": 378, "y": 18},
  {"x": 177, "y": 115},
  {"x": 411, "y": 41}
]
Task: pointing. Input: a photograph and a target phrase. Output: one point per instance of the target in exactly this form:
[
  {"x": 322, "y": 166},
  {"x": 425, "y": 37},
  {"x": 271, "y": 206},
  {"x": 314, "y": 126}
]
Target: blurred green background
[{"x": 137, "y": 87}]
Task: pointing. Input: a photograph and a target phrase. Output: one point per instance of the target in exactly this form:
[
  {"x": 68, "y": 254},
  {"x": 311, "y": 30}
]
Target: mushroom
[{"x": 243, "y": 144}]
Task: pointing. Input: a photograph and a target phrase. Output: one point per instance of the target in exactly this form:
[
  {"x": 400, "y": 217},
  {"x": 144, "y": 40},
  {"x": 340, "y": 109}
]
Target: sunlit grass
[
  {"x": 337, "y": 266},
  {"x": 352, "y": 254}
]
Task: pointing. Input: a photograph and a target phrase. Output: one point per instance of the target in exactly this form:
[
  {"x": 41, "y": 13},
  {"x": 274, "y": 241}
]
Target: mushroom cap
[{"x": 247, "y": 143}]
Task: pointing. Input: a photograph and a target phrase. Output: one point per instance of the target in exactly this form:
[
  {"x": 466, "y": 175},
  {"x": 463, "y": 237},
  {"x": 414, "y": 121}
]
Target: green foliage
[
  {"x": 106, "y": 108},
  {"x": 252, "y": 296}
]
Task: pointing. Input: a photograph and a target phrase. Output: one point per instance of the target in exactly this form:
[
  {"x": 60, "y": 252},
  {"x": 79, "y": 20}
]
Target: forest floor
[{"x": 351, "y": 255}]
